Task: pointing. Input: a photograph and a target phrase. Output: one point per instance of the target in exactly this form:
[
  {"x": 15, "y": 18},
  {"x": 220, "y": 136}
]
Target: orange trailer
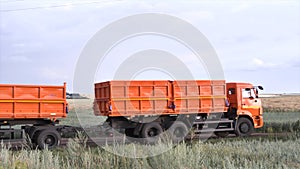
[
  {"x": 32, "y": 102},
  {"x": 147, "y": 108},
  {"x": 37, "y": 109}
]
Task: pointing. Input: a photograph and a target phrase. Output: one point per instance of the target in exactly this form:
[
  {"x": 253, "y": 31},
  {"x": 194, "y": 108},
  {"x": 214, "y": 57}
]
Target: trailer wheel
[
  {"x": 177, "y": 131},
  {"x": 48, "y": 138},
  {"x": 244, "y": 127},
  {"x": 150, "y": 132},
  {"x": 222, "y": 134}
]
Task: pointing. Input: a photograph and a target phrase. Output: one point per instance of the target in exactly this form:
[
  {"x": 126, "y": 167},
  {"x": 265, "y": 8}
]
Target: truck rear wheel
[
  {"x": 48, "y": 138},
  {"x": 244, "y": 127},
  {"x": 129, "y": 132},
  {"x": 177, "y": 131},
  {"x": 150, "y": 132}
]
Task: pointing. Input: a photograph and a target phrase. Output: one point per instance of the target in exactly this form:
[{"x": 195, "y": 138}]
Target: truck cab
[{"x": 245, "y": 103}]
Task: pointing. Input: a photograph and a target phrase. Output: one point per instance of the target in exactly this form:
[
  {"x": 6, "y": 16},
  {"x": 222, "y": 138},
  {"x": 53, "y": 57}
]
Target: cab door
[{"x": 249, "y": 101}]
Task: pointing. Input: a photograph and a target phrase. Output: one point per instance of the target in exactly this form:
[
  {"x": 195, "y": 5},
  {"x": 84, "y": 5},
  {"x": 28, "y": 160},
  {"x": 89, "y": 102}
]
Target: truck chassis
[
  {"x": 178, "y": 126},
  {"x": 41, "y": 133}
]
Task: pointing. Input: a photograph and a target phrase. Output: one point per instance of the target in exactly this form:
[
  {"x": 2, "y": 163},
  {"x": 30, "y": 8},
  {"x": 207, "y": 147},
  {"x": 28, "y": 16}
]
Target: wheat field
[{"x": 282, "y": 103}]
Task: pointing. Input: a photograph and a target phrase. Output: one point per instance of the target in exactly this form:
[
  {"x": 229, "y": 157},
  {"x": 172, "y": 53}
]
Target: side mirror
[{"x": 260, "y": 87}]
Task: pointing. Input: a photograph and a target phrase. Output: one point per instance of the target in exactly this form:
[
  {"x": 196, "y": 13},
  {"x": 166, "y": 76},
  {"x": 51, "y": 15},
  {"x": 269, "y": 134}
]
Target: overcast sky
[{"x": 256, "y": 42}]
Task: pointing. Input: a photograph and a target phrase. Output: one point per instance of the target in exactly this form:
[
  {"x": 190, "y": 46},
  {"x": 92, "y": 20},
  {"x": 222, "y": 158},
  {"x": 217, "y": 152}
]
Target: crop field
[
  {"x": 282, "y": 103},
  {"x": 281, "y": 115}
]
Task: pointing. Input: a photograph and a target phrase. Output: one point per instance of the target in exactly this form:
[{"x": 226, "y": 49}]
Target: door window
[
  {"x": 231, "y": 91},
  {"x": 248, "y": 93}
]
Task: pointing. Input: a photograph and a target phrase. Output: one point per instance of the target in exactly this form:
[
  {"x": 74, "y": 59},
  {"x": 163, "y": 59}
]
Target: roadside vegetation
[
  {"x": 226, "y": 153},
  {"x": 281, "y": 122},
  {"x": 274, "y": 151}
]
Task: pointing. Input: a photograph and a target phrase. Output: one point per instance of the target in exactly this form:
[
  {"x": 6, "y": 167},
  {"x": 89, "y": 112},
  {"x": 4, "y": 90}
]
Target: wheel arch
[{"x": 245, "y": 115}]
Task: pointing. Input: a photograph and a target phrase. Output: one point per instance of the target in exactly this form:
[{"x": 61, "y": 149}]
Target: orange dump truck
[
  {"x": 145, "y": 109},
  {"x": 37, "y": 109}
]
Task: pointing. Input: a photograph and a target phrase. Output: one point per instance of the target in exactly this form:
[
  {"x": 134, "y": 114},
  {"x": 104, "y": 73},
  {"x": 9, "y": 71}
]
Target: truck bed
[
  {"x": 131, "y": 98},
  {"x": 32, "y": 102}
]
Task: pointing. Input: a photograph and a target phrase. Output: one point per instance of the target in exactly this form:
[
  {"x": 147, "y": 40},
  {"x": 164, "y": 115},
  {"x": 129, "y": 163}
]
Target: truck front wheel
[{"x": 244, "y": 127}]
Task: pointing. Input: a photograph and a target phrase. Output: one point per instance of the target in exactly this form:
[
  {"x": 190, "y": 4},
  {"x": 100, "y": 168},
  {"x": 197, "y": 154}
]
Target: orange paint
[
  {"x": 130, "y": 98},
  {"x": 32, "y": 102}
]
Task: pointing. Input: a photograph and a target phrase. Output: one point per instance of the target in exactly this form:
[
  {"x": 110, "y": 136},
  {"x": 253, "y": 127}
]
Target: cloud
[
  {"x": 259, "y": 63},
  {"x": 295, "y": 63},
  {"x": 241, "y": 7},
  {"x": 19, "y": 59},
  {"x": 250, "y": 36},
  {"x": 195, "y": 16}
]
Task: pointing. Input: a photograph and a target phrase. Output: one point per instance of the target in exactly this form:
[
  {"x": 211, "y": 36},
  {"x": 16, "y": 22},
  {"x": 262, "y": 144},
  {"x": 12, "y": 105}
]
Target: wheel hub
[
  {"x": 178, "y": 132},
  {"x": 244, "y": 128},
  {"x": 152, "y": 133},
  {"x": 48, "y": 140}
]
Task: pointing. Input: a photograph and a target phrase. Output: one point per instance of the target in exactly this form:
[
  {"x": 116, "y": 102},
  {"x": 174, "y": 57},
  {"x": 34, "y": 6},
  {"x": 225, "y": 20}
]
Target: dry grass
[
  {"x": 229, "y": 153},
  {"x": 81, "y": 114},
  {"x": 282, "y": 103},
  {"x": 80, "y": 103}
]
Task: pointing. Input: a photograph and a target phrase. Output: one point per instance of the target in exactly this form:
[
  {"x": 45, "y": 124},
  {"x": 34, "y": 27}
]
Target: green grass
[
  {"x": 252, "y": 152},
  {"x": 278, "y": 122},
  {"x": 227, "y": 153},
  {"x": 281, "y": 116}
]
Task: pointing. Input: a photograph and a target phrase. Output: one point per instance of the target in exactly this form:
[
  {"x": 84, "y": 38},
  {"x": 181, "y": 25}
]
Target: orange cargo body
[
  {"x": 199, "y": 96},
  {"x": 127, "y": 98},
  {"x": 32, "y": 102},
  {"x": 131, "y": 98}
]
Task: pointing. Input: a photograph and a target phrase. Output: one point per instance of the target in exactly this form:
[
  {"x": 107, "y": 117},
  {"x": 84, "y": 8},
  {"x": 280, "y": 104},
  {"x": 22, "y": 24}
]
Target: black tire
[
  {"x": 48, "y": 138},
  {"x": 129, "y": 132},
  {"x": 244, "y": 127},
  {"x": 222, "y": 134},
  {"x": 178, "y": 131},
  {"x": 150, "y": 132}
]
